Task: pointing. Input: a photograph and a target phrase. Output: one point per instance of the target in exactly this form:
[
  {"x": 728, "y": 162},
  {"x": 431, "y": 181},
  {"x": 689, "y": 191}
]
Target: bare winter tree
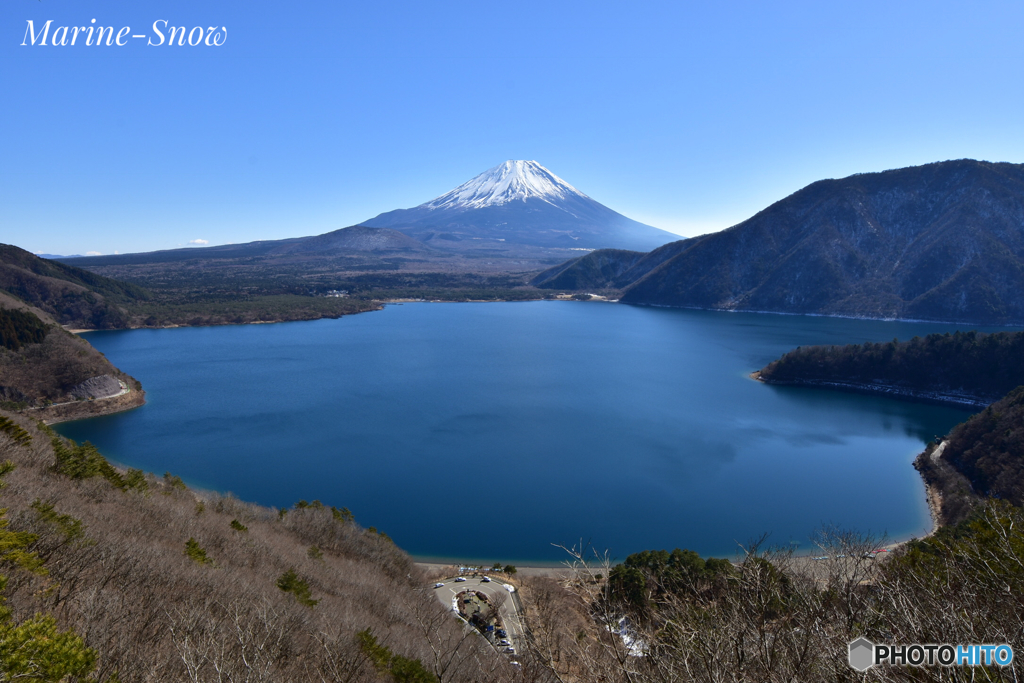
[{"x": 772, "y": 617}]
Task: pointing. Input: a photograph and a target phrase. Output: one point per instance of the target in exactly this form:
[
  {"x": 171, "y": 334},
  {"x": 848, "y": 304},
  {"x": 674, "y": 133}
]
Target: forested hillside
[
  {"x": 71, "y": 296},
  {"x": 77, "y": 298},
  {"x": 961, "y": 367},
  {"x": 989, "y": 449},
  {"x": 941, "y": 241},
  {"x": 601, "y": 269},
  {"x": 20, "y": 328},
  {"x": 54, "y": 375}
]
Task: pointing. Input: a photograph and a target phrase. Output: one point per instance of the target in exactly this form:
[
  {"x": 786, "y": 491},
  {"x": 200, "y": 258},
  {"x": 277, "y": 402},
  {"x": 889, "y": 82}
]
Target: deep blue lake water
[{"x": 492, "y": 431}]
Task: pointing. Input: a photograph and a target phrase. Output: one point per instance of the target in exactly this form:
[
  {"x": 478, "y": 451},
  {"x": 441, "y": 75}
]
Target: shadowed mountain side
[
  {"x": 607, "y": 268},
  {"x": 597, "y": 270},
  {"x": 184, "y": 292},
  {"x": 943, "y": 241},
  {"x": 72, "y": 296},
  {"x": 967, "y": 368},
  {"x": 989, "y": 449}
]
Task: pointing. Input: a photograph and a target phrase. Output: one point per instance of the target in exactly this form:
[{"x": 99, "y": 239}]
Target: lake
[{"x": 492, "y": 431}]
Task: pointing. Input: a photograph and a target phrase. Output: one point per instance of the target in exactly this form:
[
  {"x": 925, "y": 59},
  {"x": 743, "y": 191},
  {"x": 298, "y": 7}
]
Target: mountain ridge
[
  {"x": 942, "y": 241},
  {"x": 72, "y": 296},
  {"x": 919, "y": 242}
]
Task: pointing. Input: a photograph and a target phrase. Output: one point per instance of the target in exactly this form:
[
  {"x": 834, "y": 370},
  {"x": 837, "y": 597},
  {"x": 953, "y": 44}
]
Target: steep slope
[
  {"x": 943, "y": 241},
  {"x": 989, "y": 449},
  {"x": 45, "y": 371},
  {"x": 168, "y": 584},
  {"x": 601, "y": 269},
  {"x": 607, "y": 268},
  {"x": 521, "y": 202},
  {"x": 72, "y": 296},
  {"x": 50, "y": 374}
]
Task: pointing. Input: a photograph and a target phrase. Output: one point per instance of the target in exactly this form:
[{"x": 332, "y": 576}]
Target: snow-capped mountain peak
[
  {"x": 519, "y": 202},
  {"x": 507, "y": 182}
]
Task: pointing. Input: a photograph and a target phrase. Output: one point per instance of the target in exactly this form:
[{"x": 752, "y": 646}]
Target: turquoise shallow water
[{"x": 492, "y": 431}]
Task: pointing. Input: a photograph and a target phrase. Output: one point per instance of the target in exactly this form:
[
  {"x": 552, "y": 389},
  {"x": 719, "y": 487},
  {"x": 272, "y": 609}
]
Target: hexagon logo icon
[{"x": 862, "y": 654}]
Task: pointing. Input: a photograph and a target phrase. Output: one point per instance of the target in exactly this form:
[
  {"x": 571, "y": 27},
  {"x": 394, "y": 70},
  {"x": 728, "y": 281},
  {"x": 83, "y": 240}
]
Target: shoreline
[
  {"x": 932, "y": 494},
  {"x": 452, "y": 568},
  {"x": 890, "y": 390},
  {"x": 550, "y": 296},
  {"x": 1014, "y": 325},
  {"x": 84, "y": 410}
]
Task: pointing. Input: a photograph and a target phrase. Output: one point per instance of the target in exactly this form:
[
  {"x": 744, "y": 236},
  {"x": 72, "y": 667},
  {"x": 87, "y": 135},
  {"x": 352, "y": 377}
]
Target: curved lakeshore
[
  {"x": 633, "y": 427},
  {"x": 894, "y": 391}
]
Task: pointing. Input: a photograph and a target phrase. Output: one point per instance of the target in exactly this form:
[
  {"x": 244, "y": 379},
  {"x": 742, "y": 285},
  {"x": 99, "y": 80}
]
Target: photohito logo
[{"x": 864, "y": 654}]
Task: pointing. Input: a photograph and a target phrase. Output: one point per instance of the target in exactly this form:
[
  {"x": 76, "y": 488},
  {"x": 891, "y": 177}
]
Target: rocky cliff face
[{"x": 943, "y": 241}]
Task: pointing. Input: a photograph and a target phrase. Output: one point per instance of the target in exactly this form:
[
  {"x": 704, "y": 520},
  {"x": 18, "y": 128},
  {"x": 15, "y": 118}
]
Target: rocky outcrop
[
  {"x": 103, "y": 386},
  {"x": 61, "y": 376},
  {"x": 77, "y": 410}
]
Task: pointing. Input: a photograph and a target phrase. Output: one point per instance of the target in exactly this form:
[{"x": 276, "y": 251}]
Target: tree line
[{"x": 987, "y": 366}]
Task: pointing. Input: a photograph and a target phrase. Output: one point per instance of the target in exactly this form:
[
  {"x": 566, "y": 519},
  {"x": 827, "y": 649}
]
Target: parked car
[
  {"x": 510, "y": 650},
  {"x": 502, "y": 633},
  {"x": 504, "y": 642},
  {"x": 460, "y": 579},
  {"x": 438, "y": 585}
]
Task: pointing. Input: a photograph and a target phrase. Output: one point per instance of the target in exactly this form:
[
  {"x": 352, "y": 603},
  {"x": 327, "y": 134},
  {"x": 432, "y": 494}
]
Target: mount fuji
[{"x": 521, "y": 202}]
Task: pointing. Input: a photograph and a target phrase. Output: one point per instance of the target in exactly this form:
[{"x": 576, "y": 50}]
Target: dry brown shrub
[{"x": 155, "y": 615}]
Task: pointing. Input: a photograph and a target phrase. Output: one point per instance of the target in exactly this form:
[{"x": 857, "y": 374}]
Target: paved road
[
  {"x": 510, "y": 616},
  {"x": 124, "y": 390}
]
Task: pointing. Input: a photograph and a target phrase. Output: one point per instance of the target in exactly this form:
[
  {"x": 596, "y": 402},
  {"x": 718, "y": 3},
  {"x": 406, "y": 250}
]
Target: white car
[
  {"x": 438, "y": 585},
  {"x": 460, "y": 579},
  {"x": 486, "y": 579}
]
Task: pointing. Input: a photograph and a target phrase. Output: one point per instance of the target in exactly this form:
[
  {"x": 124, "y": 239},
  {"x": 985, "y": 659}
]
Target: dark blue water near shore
[{"x": 492, "y": 431}]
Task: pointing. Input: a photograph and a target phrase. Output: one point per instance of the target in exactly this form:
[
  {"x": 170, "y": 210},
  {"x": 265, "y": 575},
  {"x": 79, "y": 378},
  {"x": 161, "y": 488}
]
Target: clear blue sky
[{"x": 314, "y": 116}]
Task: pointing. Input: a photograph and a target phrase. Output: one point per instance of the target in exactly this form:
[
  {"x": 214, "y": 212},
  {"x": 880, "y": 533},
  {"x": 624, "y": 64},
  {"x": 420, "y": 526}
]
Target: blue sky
[{"x": 315, "y": 116}]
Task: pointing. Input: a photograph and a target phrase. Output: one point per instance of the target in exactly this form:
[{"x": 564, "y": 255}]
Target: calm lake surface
[{"x": 491, "y": 431}]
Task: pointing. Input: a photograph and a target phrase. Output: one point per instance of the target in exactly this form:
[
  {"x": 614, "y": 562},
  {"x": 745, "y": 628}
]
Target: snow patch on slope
[{"x": 507, "y": 182}]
